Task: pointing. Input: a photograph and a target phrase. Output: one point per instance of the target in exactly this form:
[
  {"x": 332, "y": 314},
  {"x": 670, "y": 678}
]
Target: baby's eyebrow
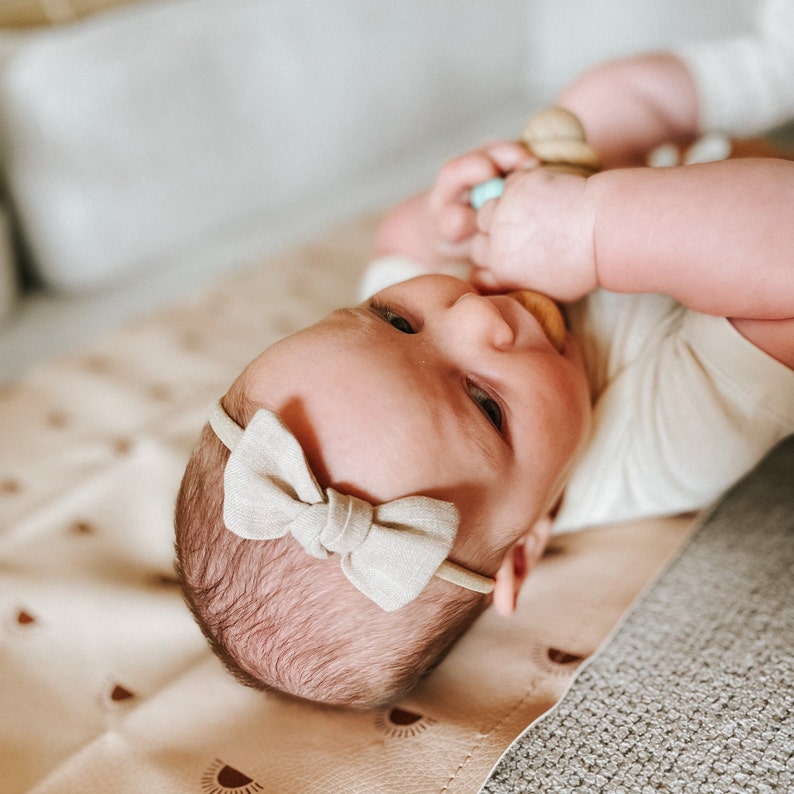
[
  {"x": 353, "y": 312},
  {"x": 356, "y": 319},
  {"x": 361, "y": 315},
  {"x": 486, "y": 447}
]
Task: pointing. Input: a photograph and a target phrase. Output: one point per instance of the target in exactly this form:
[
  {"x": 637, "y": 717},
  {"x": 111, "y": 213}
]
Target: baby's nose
[{"x": 480, "y": 318}]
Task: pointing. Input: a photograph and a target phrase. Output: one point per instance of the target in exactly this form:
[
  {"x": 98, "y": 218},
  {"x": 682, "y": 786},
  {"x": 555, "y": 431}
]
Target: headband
[{"x": 389, "y": 552}]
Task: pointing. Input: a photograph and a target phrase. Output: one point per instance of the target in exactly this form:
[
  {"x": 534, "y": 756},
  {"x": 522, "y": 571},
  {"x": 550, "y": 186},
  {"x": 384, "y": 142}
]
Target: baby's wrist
[{"x": 588, "y": 233}]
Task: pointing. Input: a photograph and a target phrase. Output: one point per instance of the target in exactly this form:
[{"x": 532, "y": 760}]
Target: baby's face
[{"x": 430, "y": 388}]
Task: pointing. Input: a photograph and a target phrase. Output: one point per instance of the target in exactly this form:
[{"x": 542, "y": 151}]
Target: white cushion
[{"x": 142, "y": 131}]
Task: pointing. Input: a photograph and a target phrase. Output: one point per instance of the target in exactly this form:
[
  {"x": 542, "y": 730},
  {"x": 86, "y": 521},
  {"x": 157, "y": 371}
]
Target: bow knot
[
  {"x": 338, "y": 526},
  {"x": 389, "y": 552}
]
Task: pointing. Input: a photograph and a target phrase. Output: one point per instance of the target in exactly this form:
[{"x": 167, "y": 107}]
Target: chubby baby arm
[
  {"x": 717, "y": 237},
  {"x": 628, "y": 106}
]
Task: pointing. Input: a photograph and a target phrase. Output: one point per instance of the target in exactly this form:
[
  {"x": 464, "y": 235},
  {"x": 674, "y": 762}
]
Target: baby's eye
[
  {"x": 392, "y": 317},
  {"x": 487, "y": 404}
]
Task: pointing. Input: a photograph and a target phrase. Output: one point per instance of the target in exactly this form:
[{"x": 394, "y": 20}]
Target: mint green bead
[{"x": 485, "y": 191}]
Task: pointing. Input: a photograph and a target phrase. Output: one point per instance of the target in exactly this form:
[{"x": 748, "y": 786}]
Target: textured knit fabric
[{"x": 695, "y": 690}]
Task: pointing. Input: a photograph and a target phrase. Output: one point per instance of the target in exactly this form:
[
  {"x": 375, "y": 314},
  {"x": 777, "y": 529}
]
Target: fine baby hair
[{"x": 277, "y": 613}]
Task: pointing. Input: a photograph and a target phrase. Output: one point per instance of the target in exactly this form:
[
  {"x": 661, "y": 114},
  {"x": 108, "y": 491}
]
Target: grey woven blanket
[{"x": 695, "y": 691}]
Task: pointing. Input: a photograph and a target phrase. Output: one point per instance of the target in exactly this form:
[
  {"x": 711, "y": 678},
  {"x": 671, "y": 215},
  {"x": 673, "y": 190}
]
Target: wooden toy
[
  {"x": 556, "y": 137},
  {"x": 546, "y": 312}
]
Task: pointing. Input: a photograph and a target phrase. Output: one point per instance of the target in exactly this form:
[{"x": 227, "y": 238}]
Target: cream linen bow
[{"x": 389, "y": 552}]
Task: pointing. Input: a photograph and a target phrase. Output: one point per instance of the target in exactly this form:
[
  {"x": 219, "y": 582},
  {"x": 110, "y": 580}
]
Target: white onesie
[
  {"x": 684, "y": 406},
  {"x": 746, "y": 83}
]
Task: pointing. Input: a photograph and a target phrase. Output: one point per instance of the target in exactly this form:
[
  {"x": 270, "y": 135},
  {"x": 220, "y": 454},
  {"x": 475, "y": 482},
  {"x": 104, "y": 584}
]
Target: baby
[
  {"x": 423, "y": 438},
  {"x": 393, "y": 398}
]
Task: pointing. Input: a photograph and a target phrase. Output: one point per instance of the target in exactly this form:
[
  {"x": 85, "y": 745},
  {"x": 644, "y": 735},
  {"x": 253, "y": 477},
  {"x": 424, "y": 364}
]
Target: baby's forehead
[{"x": 367, "y": 417}]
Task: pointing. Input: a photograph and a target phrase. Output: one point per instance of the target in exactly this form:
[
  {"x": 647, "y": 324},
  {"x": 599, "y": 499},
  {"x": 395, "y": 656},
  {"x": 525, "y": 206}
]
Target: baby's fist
[{"x": 538, "y": 235}]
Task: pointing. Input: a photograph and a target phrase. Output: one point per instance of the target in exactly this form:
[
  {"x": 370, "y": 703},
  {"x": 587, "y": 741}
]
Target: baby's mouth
[{"x": 546, "y": 312}]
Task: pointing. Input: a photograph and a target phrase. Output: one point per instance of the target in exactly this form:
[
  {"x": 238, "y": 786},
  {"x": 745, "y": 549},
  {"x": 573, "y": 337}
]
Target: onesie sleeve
[
  {"x": 386, "y": 271},
  {"x": 746, "y": 84},
  {"x": 677, "y": 426}
]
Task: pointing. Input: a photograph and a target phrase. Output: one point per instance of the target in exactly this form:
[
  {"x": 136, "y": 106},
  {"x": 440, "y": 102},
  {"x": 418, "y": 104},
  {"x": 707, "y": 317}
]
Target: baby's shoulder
[{"x": 615, "y": 330}]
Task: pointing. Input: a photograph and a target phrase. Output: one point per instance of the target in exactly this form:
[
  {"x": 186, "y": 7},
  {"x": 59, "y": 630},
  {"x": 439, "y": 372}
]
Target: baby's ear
[{"x": 518, "y": 562}]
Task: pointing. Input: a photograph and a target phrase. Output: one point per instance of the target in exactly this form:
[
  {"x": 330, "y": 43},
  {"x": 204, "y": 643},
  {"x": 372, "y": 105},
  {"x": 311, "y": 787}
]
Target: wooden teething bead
[
  {"x": 576, "y": 153},
  {"x": 557, "y": 139},
  {"x": 553, "y": 124}
]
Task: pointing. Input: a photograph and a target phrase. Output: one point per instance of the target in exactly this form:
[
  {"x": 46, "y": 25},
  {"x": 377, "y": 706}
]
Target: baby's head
[{"x": 428, "y": 389}]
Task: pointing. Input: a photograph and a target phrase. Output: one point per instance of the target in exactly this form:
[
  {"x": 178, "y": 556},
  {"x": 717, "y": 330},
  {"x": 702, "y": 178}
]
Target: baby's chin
[{"x": 547, "y": 313}]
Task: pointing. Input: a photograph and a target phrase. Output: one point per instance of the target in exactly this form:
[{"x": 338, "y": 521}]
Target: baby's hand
[
  {"x": 454, "y": 219},
  {"x": 538, "y": 235}
]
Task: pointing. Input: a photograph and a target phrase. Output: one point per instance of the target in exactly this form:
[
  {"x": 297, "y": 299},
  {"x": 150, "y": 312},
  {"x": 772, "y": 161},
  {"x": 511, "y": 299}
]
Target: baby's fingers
[
  {"x": 454, "y": 218},
  {"x": 480, "y": 249},
  {"x": 485, "y": 216},
  {"x": 458, "y": 176},
  {"x": 484, "y": 280},
  {"x": 510, "y": 155},
  {"x": 459, "y": 221},
  {"x": 479, "y": 253},
  {"x": 455, "y": 222}
]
